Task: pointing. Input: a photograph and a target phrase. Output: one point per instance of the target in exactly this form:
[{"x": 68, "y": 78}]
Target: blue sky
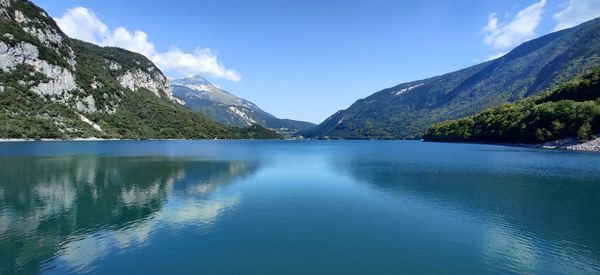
[{"x": 306, "y": 59}]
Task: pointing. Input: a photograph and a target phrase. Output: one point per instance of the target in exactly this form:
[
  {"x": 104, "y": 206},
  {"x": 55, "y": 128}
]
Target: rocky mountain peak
[
  {"x": 194, "y": 79},
  {"x": 53, "y": 86}
]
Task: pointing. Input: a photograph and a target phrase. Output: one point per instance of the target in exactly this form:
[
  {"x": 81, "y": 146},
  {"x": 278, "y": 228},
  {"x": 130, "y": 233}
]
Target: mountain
[
  {"x": 52, "y": 86},
  {"x": 568, "y": 110},
  {"x": 407, "y": 110},
  {"x": 198, "y": 94}
]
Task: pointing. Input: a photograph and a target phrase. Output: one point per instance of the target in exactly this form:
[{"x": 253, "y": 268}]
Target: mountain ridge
[
  {"x": 52, "y": 86},
  {"x": 405, "y": 111},
  {"x": 200, "y": 95},
  {"x": 569, "y": 110}
]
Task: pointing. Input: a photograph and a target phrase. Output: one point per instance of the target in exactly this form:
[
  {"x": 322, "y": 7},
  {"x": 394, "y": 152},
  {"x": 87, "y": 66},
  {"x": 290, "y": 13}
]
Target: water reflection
[
  {"x": 74, "y": 210},
  {"x": 519, "y": 214},
  {"x": 337, "y": 207}
]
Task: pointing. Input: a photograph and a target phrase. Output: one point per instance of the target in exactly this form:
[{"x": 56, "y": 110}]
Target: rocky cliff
[{"x": 52, "y": 86}]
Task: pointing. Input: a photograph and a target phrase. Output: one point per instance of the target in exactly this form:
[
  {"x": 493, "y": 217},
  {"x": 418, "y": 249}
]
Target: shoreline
[
  {"x": 54, "y": 139},
  {"x": 113, "y": 139},
  {"x": 567, "y": 144},
  {"x": 572, "y": 144}
]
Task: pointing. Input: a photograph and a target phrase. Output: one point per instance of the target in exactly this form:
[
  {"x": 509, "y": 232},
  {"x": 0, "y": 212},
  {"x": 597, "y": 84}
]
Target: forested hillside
[
  {"x": 408, "y": 110},
  {"x": 568, "y": 110}
]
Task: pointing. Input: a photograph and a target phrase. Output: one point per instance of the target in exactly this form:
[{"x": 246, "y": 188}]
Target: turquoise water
[{"x": 296, "y": 207}]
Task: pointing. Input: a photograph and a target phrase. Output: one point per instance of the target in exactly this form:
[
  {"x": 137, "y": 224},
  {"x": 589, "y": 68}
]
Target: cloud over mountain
[{"x": 82, "y": 23}]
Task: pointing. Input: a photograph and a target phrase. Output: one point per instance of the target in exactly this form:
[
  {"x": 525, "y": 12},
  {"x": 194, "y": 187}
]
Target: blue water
[{"x": 273, "y": 207}]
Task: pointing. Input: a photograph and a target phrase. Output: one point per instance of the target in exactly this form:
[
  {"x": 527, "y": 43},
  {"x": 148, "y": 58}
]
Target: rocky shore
[{"x": 573, "y": 144}]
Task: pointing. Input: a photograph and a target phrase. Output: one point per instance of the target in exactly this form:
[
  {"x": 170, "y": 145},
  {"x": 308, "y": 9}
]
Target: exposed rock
[
  {"x": 4, "y": 13},
  {"x": 243, "y": 116},
  {"x": 112, "y": 65},
  {"x": 95, "y": 84},
  {"x": 86, "y": 105},
  {"x": 593, "y": 145},
  {"x": 10, "y": 57},
  {"x": 38, "y": 62},
  {"x": 201, "y": 88},
  {"x": 60, "y": 81},
  {"x": 177, "y": 100},
  {"x": 139, "y": 79},
  {"x": 46, "y": 35},
  {"x": 155, "y": 83},
  {"x": 3, "y": 48},
  {"x": 561, "y": 143},
  {"x": 20, "y": 18},
  {"x": 200, "y": 95},
  {"x": 572, "y": 143},
  {"x": 406, "y": 89},
  {"x": 60, "y": 122},
  {"x": 4, "y": 4},
  {"x": 91, "y": 123},
  {"x": 9, "y": 36},
  {"x": 111, "y": 109}
]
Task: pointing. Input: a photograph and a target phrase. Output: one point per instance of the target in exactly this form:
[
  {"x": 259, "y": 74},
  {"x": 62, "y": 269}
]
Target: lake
[{"x": 296, "y": 207}]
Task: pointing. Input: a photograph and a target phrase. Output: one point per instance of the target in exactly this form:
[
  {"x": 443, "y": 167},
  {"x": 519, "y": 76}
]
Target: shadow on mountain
[{"x": 48, "y": 205}]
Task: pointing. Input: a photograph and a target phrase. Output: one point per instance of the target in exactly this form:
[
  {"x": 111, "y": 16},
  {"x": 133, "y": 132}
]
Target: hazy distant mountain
[
  {"x": 52, "y": 86},
  {"x": 200, "y": 95},
  {"x": 407, "y": 110}
]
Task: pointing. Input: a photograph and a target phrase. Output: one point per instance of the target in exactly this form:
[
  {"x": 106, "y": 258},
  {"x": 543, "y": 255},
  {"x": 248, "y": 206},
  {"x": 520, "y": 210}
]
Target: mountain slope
[
  {"x": 407, "y": 110},
  {"x": 200, "y": 95},
  {"x": 569, "y": 110},
  {"x": 52, "y": 86}
]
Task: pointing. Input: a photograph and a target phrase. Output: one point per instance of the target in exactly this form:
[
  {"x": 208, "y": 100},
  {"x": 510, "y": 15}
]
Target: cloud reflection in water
[{"x": 77, "y": 209}]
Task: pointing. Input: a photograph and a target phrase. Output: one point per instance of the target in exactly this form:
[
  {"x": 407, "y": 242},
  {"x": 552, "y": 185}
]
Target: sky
[{"x": 307, "y": 59}]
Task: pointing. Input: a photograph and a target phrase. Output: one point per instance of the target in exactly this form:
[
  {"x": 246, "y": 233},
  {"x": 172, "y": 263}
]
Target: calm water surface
[{"x": 296, "y": 207}]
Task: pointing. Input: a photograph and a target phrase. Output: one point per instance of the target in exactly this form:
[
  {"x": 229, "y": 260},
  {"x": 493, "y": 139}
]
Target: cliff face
[
  {"x": 32, "y": 42},
  {"x": 56, "y": 87},
  {"x": 36, "y": 45}
]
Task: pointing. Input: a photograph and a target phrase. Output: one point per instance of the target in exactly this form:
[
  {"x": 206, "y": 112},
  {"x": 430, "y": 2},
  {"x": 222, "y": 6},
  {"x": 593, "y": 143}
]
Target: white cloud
[
  {"x": 136, "y": 41},
  {"x": 502, "y": 36},
  {"x": 82, "y": 23},
  {"x": 202, "y": 59},
  {"x": 496, "y": 55},
  {"x": 578, "y": 11}
]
